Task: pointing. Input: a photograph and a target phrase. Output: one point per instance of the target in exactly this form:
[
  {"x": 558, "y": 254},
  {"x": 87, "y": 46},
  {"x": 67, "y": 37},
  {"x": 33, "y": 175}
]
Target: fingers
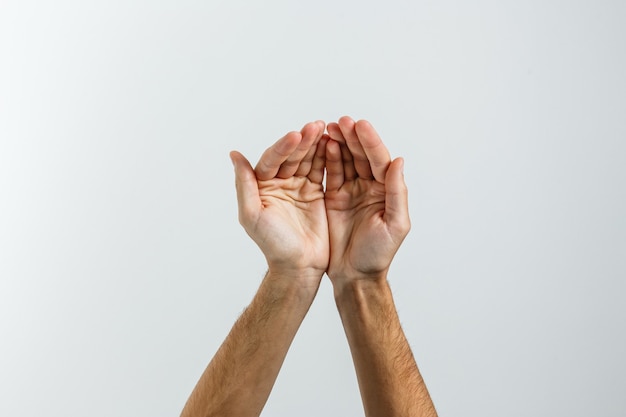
[
  {"x": 396, "y": 199},
  {"x": 272, "y": 159},
  {"x": 361, "y": 163},
  {"x": 349, "y": 169},
  {"x": 374, "y": 149},
  {"x": 291, "y": 155},
  {"x": 316, "y": 130},
  {"x": 334, "y": 131},
  {"x": 334, "y": 166},
  {"x": 354, "y": 145},
  {"x": 248, "y": 198},
  {"x": 299, "y": 162},
  {"x": 316, "y": 174}
]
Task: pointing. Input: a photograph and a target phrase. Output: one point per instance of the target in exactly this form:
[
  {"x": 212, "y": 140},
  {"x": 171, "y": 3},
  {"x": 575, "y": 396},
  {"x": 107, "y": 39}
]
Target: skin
[
  {"x": 367, "y": 210},
  {"x": 281, "y": 207},
  {"x": 351, "y": 231}
]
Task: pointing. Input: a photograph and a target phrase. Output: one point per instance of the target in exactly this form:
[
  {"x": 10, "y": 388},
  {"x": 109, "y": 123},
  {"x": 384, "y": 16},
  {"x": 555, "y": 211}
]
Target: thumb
[
  {"x": 247, "y": 187},
  {"x": 396, "y": 199}
]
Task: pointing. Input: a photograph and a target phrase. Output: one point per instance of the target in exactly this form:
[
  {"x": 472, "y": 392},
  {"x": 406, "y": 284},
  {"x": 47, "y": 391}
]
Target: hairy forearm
[
  {"x": 389, "y": 380},
  {"x": 238, "y": 381}
]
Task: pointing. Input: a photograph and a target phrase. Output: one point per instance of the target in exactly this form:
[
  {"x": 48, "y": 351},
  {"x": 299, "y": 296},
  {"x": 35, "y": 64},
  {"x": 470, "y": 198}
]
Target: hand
[
  {"x": 281, "y": 203},
  {"x": 366, "y": 202}
]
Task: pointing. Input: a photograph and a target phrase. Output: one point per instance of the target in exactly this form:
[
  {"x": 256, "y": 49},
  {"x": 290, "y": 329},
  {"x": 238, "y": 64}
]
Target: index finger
[
  {"x": 374, "y": 149},
  {"x": 271, "y": 160}
]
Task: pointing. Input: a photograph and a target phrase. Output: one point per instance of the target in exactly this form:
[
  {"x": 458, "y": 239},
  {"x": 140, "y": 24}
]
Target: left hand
[{"x": 281, "y": 203}]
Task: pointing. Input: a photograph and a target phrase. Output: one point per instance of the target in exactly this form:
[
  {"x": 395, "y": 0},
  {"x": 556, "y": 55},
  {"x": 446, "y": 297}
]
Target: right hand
[{"x": 366, "y": 202}]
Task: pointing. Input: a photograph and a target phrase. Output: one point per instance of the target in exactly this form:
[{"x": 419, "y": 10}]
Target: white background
[{"x": 122, "y": 265}]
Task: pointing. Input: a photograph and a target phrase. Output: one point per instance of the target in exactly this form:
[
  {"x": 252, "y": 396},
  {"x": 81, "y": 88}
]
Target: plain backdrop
[{"x": 123, "y": 267}]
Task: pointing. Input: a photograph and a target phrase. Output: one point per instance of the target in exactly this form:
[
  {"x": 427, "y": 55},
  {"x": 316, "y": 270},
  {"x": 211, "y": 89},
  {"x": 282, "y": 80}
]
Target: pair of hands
[{"x": 349, "y": 230}]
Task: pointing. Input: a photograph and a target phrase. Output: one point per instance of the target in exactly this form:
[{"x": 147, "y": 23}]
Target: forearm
[
  {"x": 238, "y": 381},
  {"x": 389, "y": 380}
]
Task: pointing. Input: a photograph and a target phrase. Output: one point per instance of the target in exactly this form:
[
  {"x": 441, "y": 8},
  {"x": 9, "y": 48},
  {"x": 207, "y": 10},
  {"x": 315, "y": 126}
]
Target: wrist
[
  {"x": 304, "y": 282},
  {"x": 352, "y": 277},
  {"x": 364, "y": 298},
  {"x": 358, "y": 283}
]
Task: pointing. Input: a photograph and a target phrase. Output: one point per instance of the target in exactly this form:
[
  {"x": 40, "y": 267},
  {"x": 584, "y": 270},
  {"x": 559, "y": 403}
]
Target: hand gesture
[
  {"x": 281, "y": 203},
  {"x": 366, "y": 202}
]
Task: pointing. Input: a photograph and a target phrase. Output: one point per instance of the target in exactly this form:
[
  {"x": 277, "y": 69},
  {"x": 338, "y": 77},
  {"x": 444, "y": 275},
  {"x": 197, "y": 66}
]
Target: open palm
[
  {"x": 281, "y": 201},
  {"x": 366, "y": 201}
]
